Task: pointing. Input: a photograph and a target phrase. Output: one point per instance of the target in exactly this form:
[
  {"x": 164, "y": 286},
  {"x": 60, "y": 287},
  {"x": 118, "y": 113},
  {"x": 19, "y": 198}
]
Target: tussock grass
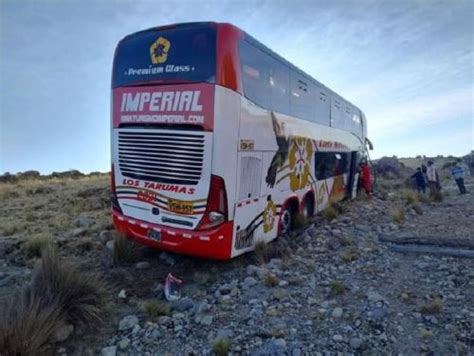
[
  {"x": 37, "y": 244},
  {"x": 425, "y": 333},
  {"x": 337, "y": 288},
  {"x": 330, "y": 213},
  {"x": 423, "y": 198},
  {"x": 409, "y": 196},
  {"x": 10, "y": 228},
  {"x": 270, "y": 280},
  {"x": 9, "y": 194},
  {"x": 300, "y": 221},
  {"x": 437, "y": 197},
  {"x": 58, "y": 293},
  {"x": 350, "y": 254},
  {"x": 264, "y": 252},
  {"x": 435, "y": 306},
  {"x": 221, "y": 347},
  {"x": 205, "y": 278},
  {"x": 261, "y": 252},
  {"x": 155, "y": 309},
  {"x": 398, "y": 216},
  {"x": 125, "y": 250}
]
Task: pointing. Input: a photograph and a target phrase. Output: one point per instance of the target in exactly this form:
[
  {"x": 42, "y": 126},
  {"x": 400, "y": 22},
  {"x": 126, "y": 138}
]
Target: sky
[{"x": 407, "y": 64}]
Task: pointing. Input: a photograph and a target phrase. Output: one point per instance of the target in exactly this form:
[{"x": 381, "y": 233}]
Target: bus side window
[
  {"x": 302, "y": 97},
  {"x": 255, "y": 74},
  {"x": 280, "y": 87},
  {"x": 330, "y": 164}
]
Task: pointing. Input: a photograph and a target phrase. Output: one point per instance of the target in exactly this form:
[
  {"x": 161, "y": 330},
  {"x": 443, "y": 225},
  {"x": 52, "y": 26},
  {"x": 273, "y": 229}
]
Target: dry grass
[
  {"x": 349, "y": 254},
  {"x": 409, "y": 196},
  {"x": 398, "y": 216},
  {"x": 434, "y": 306},
  {"x": 205, "y": 278},
  {"x": 270, "y": 280},
  {"x": 125, "y": 250},
  {"x": 425, "y": 333},
  {"x": 155, "y": 309},
  {"x": 261, "y": 252},
  {"x": 437, "y": 197},
  {"x": 330, "y": 213},
  {"x": 10, "y": 228},
  {"x": 221, "y": 347},
  {"x": 300, "y": 221},
  {"x": 37, "y": 244},
  {"x": 423, "y": 198},
  {"x": 337, "y": 288},
  {"x": 362, "y": 196},
  {"x": 58, "y": 293}
]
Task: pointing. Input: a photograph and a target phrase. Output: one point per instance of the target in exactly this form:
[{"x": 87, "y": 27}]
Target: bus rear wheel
[
  {"x": 287, "y": 219},
  {"x": 308, "y": 206}
]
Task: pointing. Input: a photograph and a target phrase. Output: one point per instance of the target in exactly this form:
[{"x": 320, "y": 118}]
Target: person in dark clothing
[
  {"x": 420, "y": 180},
  {"x": 459, "y": 172}
]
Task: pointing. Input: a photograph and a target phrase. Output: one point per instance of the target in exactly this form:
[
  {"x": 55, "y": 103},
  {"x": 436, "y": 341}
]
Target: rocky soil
[{"x": 332, "y": 287}]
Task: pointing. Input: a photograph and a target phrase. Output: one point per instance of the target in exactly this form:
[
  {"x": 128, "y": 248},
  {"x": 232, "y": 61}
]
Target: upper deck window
[{"x": 172, "y": 55}]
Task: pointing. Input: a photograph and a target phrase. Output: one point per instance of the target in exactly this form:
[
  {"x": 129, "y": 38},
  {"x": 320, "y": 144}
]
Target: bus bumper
[{"x": 215, "y": 243}]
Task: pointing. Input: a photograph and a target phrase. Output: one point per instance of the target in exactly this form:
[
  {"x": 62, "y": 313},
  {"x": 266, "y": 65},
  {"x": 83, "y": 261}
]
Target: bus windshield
[{"x": 173, "y": 55}]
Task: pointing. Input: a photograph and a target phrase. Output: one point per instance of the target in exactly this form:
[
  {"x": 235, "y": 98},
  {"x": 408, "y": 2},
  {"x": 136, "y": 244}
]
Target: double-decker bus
[{"x": 218, "y": 142}]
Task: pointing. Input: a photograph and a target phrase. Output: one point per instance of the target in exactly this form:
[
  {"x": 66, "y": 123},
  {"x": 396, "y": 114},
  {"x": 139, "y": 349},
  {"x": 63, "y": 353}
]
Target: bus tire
[
  {"x": 287, "y": 217},
  {"x": 308, "y": 206}
]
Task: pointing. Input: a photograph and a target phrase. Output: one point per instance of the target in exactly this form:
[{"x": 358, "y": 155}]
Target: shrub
[
  {"x": 221, "y": 347},
  {"x": 437, "y": 197},
  {"x": 300, "y": 221},
  {"x": 435, "y": 306},
  {"x": 27, "y": 326},
  {"x": 58, "y": 294},
  {"x": 409, "y": 196},
  {"x": 383, "y": 194},
  {"x": 423, "y": 198},
  {"x": 10, "y": 229},
  {"x": 205, "y": 278},
  {"x": 261, "y": 252},
  {"x": 349, "y": 254},
  {"x": 425, "y": 333},
  {"x": 154, "y": 309},
  {"x": 330, "y": 213},
  {"x": 399, "y": 216},
  {"x": 337, "y": 288},
  {"x": 37, "y": 244},
  {"x": 270, "y": 280},
  {"x": 125, "y": 251}
]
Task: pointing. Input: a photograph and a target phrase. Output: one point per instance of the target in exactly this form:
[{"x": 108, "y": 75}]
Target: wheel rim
[{"x": 285, "y": 221}]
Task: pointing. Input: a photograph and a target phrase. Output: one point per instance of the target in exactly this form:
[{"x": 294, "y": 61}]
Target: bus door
[{"x": 353, "y": 175}]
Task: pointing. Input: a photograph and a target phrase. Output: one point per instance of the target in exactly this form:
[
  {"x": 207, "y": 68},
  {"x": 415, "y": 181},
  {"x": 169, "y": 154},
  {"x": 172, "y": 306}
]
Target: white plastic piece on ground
[{"x": 172, "y": 288}]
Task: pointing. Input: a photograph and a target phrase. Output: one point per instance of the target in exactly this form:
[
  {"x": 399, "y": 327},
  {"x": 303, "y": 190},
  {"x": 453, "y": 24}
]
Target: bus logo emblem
[{"x": 159, "y": 50}]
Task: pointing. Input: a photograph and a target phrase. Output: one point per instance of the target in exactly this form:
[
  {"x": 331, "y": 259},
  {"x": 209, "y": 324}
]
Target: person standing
[
  {"x": 420, "y": 180},
  {"x": 432, "y": 176},
  {"x": 366, "y": 177},
  {"x": 459, "y": 173}
]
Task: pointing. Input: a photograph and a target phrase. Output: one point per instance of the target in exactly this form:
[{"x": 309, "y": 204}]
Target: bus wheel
[
  {"x": 308, "y": 206},
  {"x": 286, "y": 220}
]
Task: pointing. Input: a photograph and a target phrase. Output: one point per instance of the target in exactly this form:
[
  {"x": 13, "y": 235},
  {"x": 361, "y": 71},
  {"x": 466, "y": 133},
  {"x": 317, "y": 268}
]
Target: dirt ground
[{"x": 76, "y": 214}]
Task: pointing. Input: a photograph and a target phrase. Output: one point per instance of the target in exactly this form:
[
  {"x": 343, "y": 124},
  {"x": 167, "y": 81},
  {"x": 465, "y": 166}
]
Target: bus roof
[{"x": 251, "y": 39}]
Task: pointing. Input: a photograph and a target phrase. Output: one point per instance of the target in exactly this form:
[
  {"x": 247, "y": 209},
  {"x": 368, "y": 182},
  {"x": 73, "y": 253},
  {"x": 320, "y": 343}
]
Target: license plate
[
  {"x": 154, "y": 235},
  {"x": 181, "y": 207}
]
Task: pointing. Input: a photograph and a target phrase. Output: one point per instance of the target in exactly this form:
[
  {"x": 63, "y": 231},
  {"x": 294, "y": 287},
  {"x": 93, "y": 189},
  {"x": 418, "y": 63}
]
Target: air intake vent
[{"x": 174, "y": 158}]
